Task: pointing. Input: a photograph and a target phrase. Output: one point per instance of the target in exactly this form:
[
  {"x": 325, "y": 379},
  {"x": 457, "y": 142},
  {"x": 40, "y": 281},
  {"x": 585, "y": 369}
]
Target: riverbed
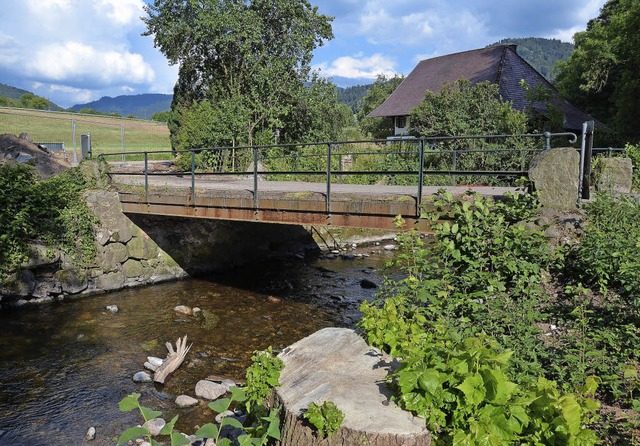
[{"x": 64, "y": 366}]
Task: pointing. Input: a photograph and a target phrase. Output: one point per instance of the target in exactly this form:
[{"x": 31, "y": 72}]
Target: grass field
[{"x": 108, "y": 134}]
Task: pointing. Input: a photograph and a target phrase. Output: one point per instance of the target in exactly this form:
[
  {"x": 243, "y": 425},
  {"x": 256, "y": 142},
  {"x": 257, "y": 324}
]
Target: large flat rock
[{"x": 336, "y": 364}]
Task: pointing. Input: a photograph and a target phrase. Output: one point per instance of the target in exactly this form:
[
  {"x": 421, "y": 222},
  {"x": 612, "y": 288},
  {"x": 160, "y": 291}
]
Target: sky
[{"x": 76, "y": 51}]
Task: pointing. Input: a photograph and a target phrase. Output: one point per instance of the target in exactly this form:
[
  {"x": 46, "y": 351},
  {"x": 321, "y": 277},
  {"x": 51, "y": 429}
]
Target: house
[{"x": 499, "y": 64}]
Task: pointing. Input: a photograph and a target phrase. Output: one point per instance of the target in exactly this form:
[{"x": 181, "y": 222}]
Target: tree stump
[{"x": 336, "y": 364}]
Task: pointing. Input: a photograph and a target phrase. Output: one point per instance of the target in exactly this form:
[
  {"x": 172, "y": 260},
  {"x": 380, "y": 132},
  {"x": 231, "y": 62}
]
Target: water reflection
[{"x": 65, "y": 366}]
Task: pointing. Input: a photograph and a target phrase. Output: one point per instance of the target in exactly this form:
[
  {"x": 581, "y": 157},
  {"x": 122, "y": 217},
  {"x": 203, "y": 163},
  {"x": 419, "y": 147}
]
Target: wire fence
[{"x": 108, "y": 134}]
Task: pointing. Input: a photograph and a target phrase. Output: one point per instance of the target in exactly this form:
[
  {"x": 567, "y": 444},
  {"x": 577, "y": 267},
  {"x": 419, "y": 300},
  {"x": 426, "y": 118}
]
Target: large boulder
[
  {"x": 336, "y": 364},
  {"x": 615, "y": 175},
  {"x": 555, "y": 174}
]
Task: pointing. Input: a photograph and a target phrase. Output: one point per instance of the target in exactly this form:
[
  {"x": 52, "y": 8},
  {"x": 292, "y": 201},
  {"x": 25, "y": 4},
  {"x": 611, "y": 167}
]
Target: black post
[
  {"x": 586, "y": 179},
  {"x": 420, "y": 178},
  {"x": 328, "y": 199},
  {"x": 255, "y": 179}
]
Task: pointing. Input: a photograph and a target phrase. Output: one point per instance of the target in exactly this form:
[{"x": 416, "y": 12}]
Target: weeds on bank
[{"x": 487, "y": 350}]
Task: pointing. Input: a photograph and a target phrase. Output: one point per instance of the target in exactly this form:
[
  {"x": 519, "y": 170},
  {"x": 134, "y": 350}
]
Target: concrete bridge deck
[{"x": 232, "y": 198}]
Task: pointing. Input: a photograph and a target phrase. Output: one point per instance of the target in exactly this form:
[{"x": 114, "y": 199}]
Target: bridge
[{"x": 321, "y": 183}]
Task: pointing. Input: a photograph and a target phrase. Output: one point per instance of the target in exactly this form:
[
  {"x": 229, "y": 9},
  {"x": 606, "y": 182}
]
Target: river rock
[
  {"x": 91, "y": 434},
  {"x": 183, "y": 309},
  {"x": 210, "y": 390},
  {"x": 113, "y": 308},
  {"x": 367, "y": 284},
  {"x": 555, "y": 175},
  {"x": 154, "y": 426},
  {"x": 149, "y": 366},
  {"x": 196, "y": 311},
  {"x": 155, "y": 361},
  {"x": 142, "y": 377},
  {"x": 186, "y": 401},
  {"x": 336, "y": 364},
  {"x": 389, "y": 247}
]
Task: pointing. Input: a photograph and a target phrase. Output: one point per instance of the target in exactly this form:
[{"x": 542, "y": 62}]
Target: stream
[{"x": 64, "y": 366}]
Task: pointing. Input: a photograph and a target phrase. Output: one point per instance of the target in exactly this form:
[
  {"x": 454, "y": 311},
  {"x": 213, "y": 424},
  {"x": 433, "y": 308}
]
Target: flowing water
[{"x": 64, "y": 366}]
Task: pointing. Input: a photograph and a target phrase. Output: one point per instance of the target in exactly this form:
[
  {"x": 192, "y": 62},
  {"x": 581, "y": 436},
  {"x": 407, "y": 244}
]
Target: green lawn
[{"x": 108, "y": 134}]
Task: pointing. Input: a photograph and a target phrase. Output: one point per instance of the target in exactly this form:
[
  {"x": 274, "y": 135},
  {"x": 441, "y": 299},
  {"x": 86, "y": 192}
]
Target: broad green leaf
[
  {"x": 132, "y": 433},
  {"x": 149, "y": 414},
  {"x": 571, "y": 413},
  {"x": 231, "y": 421},
  {"x": 177, "y": 439},
  {"x": 224, "y": 442},
  {"x": 273, "y": 430},
  {"x": 221, "y": 405},
  {"x": 473, "y": 389},
  {"x": 238, "y": 394},
  {"x": 168, "y": 428},
  {"x": 129, "y": 402},
  {"x": 590, "y": 385},
  {"x": 430, "y": 381},
  {"x": 209, "y": 430}
]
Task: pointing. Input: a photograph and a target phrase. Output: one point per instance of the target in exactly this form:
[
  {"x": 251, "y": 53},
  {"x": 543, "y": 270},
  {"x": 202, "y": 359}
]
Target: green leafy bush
[
  {"x": 326, "y": 418},
  {"x": 51, "y": 211}
]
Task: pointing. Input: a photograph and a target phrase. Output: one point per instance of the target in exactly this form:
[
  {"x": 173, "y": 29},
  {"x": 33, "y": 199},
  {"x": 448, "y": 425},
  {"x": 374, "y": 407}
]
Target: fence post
[
  {"x": 146, "y": 176},
  {"x": 585, "y": 162},
  {"x": 328, "y": 199},
  {"x": 255, "y": 179},
  {"x": 193, "y": 177},
  {"x": 122, "y": 140},
  {"x": 420, "y": 178}
]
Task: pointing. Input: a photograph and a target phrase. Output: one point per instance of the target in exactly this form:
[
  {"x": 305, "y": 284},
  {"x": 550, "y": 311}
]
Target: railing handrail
[{"x": 423, "y": 145}]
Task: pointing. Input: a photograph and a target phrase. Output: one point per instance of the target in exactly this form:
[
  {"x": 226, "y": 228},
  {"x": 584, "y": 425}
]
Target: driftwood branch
[{"x": 173, "y": 361}]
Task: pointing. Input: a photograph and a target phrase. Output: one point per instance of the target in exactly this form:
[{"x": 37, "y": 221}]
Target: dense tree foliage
[
  {"x": 602, "y": 74},
  {"x": 543, "y": 54},
  {"x": 27, "y": 100},
  {"x": 249, "y": 59},
  {"x": 377, "y": 94},
  {"x": 462, "y": 109},
  {"x": 352, "y": 96}
]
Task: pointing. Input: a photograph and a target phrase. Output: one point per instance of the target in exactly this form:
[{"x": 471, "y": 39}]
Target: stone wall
[{"x": 137, "y": 250}]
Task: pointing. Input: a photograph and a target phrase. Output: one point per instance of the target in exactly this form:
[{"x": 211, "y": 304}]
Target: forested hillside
[
  {"x": 141, "y": 105},
  {"x": 352, "y": 95},
  {"x": 542, "y": 54}
]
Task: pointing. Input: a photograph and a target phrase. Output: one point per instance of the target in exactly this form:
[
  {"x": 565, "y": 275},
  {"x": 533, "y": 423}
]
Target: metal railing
[{"x": 407, "y": 161}]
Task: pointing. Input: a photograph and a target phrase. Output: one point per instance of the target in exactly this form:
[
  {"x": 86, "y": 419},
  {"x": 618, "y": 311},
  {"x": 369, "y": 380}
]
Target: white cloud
[
  {"x": 122, "y": 12},
  {"x": 359, "y": 67},
  {"x": 86, "y": 64}
]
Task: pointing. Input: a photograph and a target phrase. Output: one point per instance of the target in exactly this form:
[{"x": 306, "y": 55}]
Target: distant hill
[
  {"x": 11, "y": 92},
  {"x": 542, "y": 54},
  {"x": 15, "y": 94},
  {"x": 141, "y": 105},
  {"x": 352, "y": 95}
]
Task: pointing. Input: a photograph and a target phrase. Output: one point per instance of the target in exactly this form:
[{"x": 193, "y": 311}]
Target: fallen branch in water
[{"x": 173, "y": 361}]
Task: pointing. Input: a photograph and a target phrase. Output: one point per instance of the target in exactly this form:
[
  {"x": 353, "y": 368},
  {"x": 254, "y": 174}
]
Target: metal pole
[
  {"x": 582, "y": 156},
  {"x": 420, "y": 178},
  {"x": 73, "y": 133},
  {"x": 146, "y": 175},
  {"x": 547, "y": 136},
  {"x": 122, "y": 141},
  {"x": 586, "y": 183},
  {"x": 255, "y": 179},
  {"x": 193, "y": 176},
  {"x": 328, "y": 199}
]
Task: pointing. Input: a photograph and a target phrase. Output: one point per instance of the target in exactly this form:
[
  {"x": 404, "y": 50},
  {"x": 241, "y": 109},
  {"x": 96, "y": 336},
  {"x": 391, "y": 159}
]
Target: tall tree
[
  {"x": 248, "y": 55},
  {"x": 601, "y": 76},
  {"x": 380, "y": 90}
]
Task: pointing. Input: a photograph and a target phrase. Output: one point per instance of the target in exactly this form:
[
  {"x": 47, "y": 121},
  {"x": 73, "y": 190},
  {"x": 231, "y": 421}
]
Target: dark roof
[{"x": 498, "y": 64}]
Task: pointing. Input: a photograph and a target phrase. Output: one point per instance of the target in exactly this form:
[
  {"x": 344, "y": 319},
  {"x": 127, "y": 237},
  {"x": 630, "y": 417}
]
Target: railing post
[
  {"x": 146, "y": 175},
  {"x": 255, "y": 179},
  {"x": 547, "y": 136},
  {"x": 328, "y": 198},
  {"x": 193, "y": 177},
  {"x": 420, "y": 178}
]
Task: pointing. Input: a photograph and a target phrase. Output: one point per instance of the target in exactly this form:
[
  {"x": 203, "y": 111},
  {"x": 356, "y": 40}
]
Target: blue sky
[{"x": 76, "y": 51}]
